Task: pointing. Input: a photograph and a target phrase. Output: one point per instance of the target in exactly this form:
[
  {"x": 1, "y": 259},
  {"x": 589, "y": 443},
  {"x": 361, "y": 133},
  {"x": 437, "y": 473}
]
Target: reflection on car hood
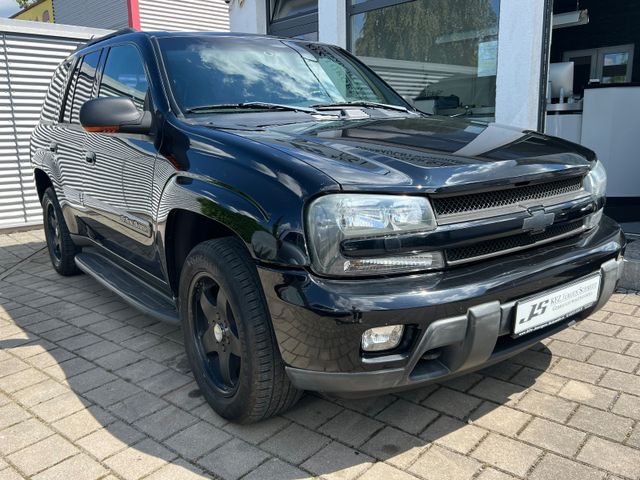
[{"x": 423, "y": 153}]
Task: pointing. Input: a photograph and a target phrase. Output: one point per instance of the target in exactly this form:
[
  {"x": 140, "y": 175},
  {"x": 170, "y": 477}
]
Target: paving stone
[
  {"x": 67, "y": 369},
  {"x": 351, "y": 428},
  {"x": 502, "y": 371},
  {"x": 588, "y": 394},
  {"x": 553, "y": 467},
  {"x": 22, "y": 379},
  {"x": 441, "y": 464},
  {"x": 602, "y": 342},
  {"x": 497, "y": 391},
  {"x": 139, "y": 460},
  {"x": 570, "y": 350},
  {"x": 312, "y": 411},
  {"x": 499, "y": 418},
  {"x": 615, "y": 361},
  {"x": 295, "y": 444},
  {"x": 257, "y": 432},
  {"x": 94, "y": 378},
  {"x": 59, "y": 407},
  {"x": 462, "y": 383},
  {"x": 165, "y": 382},
  {"x": 507, "y": 454},
  {"x": 42, "y": 454},
  {"x": 276, "y": 469},
  {"x": 492, "y": 474},
  {"x": 601, "y": 423},
  {"x": 541, "y": 381},
  {"x": 634, "y": 438},
  {"x": 12, "y": 365},
  {"x": 197, "y": 440},
  {"x": 83, "y": 422},
  {"x": 627, "y": 406},
  {"x": 553, "y": 436},
  {"x": 40, "y": 392},
  {"x": 177, "y": 470},
  {"x": 623, "y": 320},
  {"x": 80, "y": 466},
  {"x": 578, "y": 370},
  {"x": 233, "y": 460},
  {"x": 383, "y": 471},
  {"x": 206, "y": 413},
  {"x": 394, "y": 447},
  {"x": 369, "y": 406},
  {"x": 407, "y": 416},
  {"x": 188, "y": 397},
  {"x": 11, "y": 414},
  {"x": 624, "y": 382},
  {"x": 337, "y": 462},
  {"x": 137, "y": 406},
  {"x": 597, "y": 327},
  {"x": 118, "y": 360},
  {"x": 111, "y": 393},
  {"x": 454, "y": 434},
  {"x": 141, "y": 370},
  {"x": 547, "y": 406},
  {"x": 166, "y": 422},
  {"x": 611, "y": 456},
  {"x": 616, "y": 307},
  {"x": 452, "y": 402},
  {"x": 22, "y": 435},
  {"x": 107, "y": 441}
]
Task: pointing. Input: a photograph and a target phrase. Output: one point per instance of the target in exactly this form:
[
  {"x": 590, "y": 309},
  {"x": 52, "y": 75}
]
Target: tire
[
  {"x": 62, "y": 250},
  {"x": 228, "y": 335}
]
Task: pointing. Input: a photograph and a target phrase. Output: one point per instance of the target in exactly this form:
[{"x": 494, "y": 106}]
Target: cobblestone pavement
[{"x": 90, "y": 388}]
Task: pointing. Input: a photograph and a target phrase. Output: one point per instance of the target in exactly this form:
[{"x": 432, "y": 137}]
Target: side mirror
[{"x": 114, "y": 114}]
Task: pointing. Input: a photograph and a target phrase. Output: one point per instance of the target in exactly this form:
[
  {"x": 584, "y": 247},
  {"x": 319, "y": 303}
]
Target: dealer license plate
[{"x": 551, "y": 307}]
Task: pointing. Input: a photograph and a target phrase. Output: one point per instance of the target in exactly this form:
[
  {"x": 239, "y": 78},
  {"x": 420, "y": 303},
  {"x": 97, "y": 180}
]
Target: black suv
[{"x": 307, "y": 226}]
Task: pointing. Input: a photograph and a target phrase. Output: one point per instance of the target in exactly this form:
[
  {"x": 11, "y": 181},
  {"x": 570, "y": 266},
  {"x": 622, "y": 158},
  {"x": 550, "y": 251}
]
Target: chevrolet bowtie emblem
[{"x": 538, "y": 221}]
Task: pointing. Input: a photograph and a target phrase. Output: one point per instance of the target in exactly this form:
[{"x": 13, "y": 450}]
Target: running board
[{"x": 140, "y": 295}]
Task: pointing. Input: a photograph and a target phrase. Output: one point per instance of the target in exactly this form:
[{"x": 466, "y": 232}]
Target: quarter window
[
  {"x": 83, "y": 87},
  {"x": 124, "y": 75}
]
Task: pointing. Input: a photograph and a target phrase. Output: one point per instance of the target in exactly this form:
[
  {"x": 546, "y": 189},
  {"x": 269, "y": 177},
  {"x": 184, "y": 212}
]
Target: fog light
[{"x": 382, "y": 338}]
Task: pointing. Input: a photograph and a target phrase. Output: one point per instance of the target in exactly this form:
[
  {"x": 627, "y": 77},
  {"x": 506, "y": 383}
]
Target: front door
[{"x": 118, "y": 176}]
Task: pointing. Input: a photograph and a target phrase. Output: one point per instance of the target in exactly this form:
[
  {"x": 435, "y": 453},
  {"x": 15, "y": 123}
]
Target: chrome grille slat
[{"x": 476, "y": 203}]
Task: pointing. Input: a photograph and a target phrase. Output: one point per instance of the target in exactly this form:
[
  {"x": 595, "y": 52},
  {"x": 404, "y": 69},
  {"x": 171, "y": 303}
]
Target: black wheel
[
  {"x": 61, "y": 248},
  {"x": 229, "y": 340}
]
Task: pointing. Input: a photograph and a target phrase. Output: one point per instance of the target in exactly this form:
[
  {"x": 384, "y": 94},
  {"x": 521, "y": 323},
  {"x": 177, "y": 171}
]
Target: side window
[
  {"x": 124, "y": 75},
  {"x": 68, "y": 102},
  {"x": 53, "y": 98},
  {"x": 83, "y": 87}
]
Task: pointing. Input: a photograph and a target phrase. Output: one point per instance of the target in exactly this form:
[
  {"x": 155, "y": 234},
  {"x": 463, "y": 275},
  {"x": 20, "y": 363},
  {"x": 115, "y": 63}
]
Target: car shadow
[{"x": 145, "y": 413}]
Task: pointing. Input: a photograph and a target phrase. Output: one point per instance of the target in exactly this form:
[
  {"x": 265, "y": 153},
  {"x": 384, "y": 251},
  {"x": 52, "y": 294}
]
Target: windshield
[{"x": 208, "y": 71}]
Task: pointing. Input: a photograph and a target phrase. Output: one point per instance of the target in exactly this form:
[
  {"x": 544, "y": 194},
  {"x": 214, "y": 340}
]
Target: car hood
[{"x": 422, "y": 153}]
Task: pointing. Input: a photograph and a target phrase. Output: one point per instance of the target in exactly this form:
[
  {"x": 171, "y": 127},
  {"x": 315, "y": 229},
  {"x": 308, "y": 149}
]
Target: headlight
[
  {"x": 596, "y": 181},
  {"x": 333, "y": 219}
]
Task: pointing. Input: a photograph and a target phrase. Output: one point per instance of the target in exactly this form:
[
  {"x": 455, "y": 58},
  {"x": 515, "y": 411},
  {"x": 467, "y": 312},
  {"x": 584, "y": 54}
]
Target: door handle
[
  {"x": 53, "y": 147},
  {"x": 90, "y": 157}
]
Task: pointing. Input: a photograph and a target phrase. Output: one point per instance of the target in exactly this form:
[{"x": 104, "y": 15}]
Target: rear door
[
  {"x": 68, "y": 141},
  {"x": 118, "y": 181}
]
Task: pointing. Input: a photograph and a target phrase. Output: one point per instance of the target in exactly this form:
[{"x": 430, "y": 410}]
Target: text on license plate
[{"x": 554, "y": 306}]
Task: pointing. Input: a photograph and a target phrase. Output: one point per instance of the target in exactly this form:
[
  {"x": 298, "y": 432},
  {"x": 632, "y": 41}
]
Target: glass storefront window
[
  {"x": 293, "y": 18},
  {"x": 441, "y": 55}
]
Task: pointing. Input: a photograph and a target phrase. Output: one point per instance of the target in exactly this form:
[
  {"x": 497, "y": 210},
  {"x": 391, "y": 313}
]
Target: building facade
[{"x": 198, "y": 15}]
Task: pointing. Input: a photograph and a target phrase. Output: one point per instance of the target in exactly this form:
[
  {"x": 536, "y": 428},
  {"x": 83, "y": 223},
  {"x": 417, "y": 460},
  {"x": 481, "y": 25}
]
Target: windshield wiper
[
  {"x": 362, "y": 103},
  {"x": 250, "y": 106}
]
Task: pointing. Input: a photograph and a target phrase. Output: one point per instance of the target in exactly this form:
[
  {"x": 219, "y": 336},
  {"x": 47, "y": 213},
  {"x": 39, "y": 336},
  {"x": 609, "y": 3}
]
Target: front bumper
[{"x": 465, "y": 315}]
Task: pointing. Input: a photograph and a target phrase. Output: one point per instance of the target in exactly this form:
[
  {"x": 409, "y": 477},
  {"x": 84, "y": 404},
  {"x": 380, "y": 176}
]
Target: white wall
[
  {"x": 248, "y": 16},
  {"x": 519, "y": 62},
  {"x": 184, "y": 15},
  {"x": 332, "y": 22}
]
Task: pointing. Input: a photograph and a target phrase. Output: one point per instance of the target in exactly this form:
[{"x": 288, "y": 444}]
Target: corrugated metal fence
[
  {"x": 176, "y": 15},
  {"x": 29, "y": 53}
]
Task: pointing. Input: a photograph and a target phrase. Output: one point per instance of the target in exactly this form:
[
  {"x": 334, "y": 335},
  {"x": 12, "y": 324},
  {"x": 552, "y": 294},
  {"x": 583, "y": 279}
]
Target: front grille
[
  {"x": 520, "y": 241},
  {"x": 473, "y": 202}
]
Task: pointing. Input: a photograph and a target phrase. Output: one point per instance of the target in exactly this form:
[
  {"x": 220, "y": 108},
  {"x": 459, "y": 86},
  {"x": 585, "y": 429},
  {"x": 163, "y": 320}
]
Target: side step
[{"x": 140, "y": 295}]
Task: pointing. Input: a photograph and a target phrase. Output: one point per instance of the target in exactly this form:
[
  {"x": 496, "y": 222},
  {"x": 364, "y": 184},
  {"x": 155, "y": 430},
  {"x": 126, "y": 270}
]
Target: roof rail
[{"x": 117, "y": 33}]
